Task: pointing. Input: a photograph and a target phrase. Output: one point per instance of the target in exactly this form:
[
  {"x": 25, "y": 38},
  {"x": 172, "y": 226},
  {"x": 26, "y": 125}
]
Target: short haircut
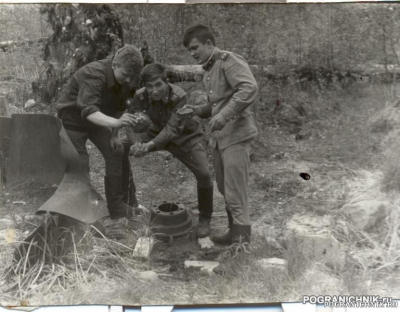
[
  {"x": 153, "y": 71},
  {"x": 200, "y": 32},
  {"x": 130, "y": 58}
]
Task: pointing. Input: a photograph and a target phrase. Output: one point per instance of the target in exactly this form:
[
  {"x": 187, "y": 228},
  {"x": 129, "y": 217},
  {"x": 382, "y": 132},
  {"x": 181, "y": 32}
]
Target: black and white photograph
[{"x": 194, "y": 153}]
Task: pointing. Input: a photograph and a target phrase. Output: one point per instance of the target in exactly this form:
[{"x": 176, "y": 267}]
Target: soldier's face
[
  {"x": 156, "y": 88},
  {"x": 199, "y": 51},
  {"x": 122, "y": 75}
]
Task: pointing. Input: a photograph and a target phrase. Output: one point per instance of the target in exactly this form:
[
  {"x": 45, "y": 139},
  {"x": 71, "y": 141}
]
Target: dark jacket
[{"x": 92, "y": 88}]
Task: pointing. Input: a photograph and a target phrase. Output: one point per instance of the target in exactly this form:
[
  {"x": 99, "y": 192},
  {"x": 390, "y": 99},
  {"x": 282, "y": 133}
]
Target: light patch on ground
[
  {"x": 317, "y": 281},
  {"x": 365, "y": 185}
]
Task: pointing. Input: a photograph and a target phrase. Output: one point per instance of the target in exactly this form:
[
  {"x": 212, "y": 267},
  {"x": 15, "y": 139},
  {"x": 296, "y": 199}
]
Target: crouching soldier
[
  {"x": 160, "y": 100},
  {"x": 92, "y": 108}
]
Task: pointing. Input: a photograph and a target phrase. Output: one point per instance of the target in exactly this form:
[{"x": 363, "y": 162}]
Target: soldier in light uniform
[
  {"x": 232, "y": 90},
  {"x": 182, "y": 138}
]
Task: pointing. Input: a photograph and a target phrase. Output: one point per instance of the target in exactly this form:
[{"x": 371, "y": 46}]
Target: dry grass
[
  {"x": 102, "y": 270},
  {"x": 63, "y": 267}
]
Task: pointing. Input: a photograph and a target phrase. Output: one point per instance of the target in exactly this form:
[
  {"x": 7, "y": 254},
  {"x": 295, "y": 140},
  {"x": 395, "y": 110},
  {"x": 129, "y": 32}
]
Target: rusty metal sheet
[
  {"x": 75, "y": 197},
  {"x": 5, "y": 133}
]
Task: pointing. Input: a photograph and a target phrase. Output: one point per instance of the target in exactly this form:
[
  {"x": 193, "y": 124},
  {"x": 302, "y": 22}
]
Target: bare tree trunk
[
  {"x": 5, "y": 126},
  {"x": 299, "y": 34},
  {"x": 330, "y": 38},
  {"x": 192, "y": 73},
  {"x": 4, "y": 108}
]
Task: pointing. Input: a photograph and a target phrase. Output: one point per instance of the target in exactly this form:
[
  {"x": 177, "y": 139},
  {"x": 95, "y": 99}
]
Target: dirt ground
[{"x": 333, "y": 156}]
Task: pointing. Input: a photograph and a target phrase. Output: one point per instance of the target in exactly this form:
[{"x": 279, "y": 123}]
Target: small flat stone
[
  {"x": 205, "y": 243},
  {"x": 272, "y": 263},
  {"x": 144, "y": 247},
  {"x": 204, "y": 266},
  {"x": 208, "y": 270},
  {"x": 148, "y": 276}
]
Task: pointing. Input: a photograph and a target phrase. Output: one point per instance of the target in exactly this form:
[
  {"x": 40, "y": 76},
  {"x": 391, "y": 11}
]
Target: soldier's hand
[
  {"x": 218, "y": 122},
  {"x": 116, "y": 146},
  {"x": 196, "y": 109},
  {"x": 137, "y": 150},
  {"x": 128, "y": 120},
  {"x": 148, "y": 147}
]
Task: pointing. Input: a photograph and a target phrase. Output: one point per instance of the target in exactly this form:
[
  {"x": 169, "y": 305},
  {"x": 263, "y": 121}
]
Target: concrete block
[
  {"x": 312, "y": 235},
  {"x": 144, "y": 247}
]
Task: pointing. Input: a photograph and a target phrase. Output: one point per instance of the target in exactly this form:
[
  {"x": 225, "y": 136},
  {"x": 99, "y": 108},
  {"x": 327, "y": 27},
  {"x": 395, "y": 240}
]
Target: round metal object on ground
[{"x": 170, "y": 219}]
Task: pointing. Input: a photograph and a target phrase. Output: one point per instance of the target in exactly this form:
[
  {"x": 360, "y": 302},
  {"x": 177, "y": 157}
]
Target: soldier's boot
[
  {"x": 226, "y": 238},
  {"x": 205, "y": 204},
  {"x": 115, "y": 198},
  {"x": 128, "y": 186},
  {"x": 241, "y": 234}
]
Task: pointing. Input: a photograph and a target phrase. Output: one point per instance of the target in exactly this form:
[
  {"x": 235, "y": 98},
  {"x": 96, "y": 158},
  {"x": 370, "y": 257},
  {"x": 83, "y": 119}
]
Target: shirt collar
[
  {"x": 211, "y": 60},
  {"x": 111, "y": 82}
]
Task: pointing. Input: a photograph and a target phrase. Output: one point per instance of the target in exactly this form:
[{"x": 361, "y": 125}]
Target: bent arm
[
  {"x": 100, "y": 119},
  {"x": 241, "y": 79}
]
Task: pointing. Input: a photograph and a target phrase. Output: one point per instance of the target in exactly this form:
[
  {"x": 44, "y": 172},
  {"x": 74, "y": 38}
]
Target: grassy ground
[{"x": 350, "y": 151}]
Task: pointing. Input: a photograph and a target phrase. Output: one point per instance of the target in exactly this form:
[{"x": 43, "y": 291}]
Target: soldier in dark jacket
[
  {"x": 160, "y": 100},
  {"x": 92, "y": 108}
]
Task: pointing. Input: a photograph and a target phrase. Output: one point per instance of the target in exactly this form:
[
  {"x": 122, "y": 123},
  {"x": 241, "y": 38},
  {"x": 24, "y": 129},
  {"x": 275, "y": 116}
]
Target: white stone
[
  {"x": 30, "y": 103},
  {"x": 8, "y": 236},
  {"x": 19, "y": 202},
  {"x": 204, "y": 266},
  {"x": 143, "y": 247},
  {"x": 143, "y": 208},
  {"x": 205, "y": 243},
  {"x": 148, "y": 276},
  {"x": 366, "y": 214},
  {"x": 207, "y": 270},
  {"x": 274, "y": 263}
]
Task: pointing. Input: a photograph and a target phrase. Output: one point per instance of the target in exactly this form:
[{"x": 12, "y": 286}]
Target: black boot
[
  {"x": 241, "y": 234},
  {"x": 226, "y": 238},
  {"x": 205, "y": 200},
  {"x": 114, "y": 195},
  {"x": 128, "y": 185}
]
